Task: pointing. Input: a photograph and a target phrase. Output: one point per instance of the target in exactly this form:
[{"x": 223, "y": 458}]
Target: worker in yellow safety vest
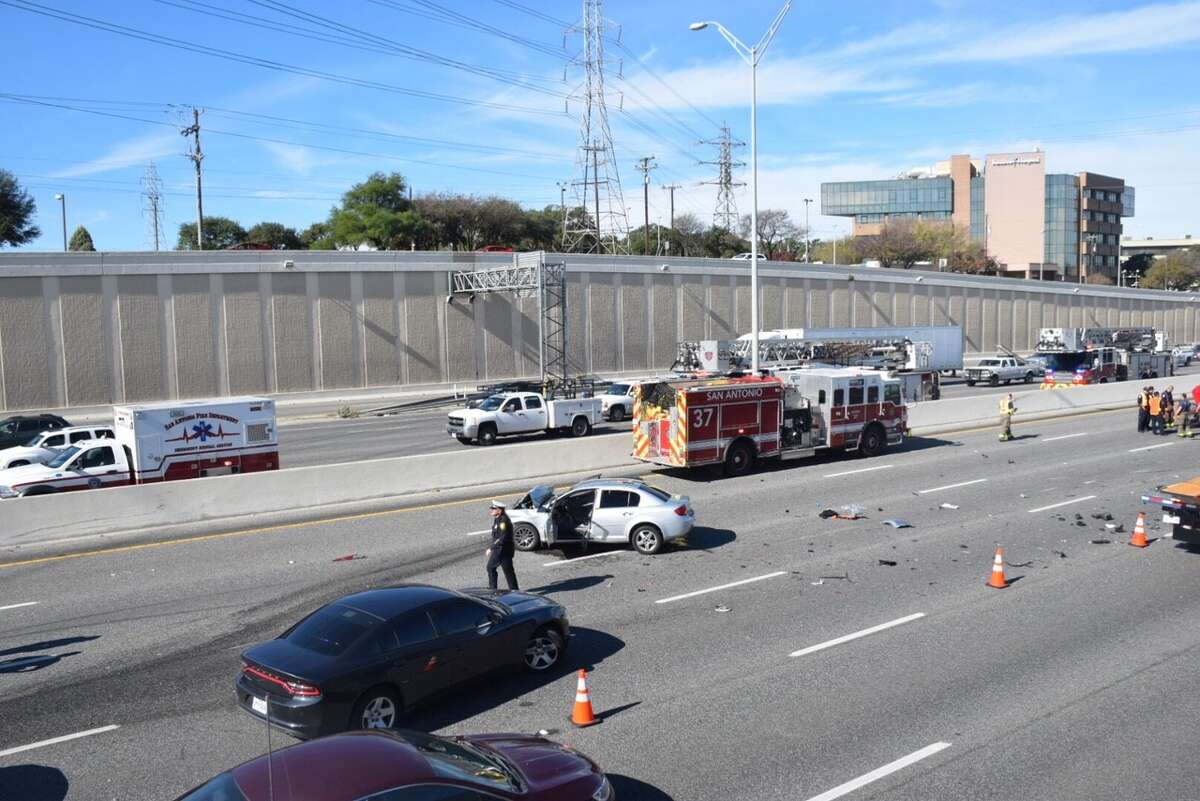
[{"x": 1007, "y": 410}]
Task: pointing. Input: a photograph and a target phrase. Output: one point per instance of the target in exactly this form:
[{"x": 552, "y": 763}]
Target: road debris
[
  {"x": 721, "y": 608},
  {"x": 948, "y": 506},
  {"x": 1019, "y": 564},
  {"x": 896, "y": 522},
  {"x": 1100, "y": 541},
  {"x": 1059, "y": 554},
  {"x": 350, "y": 557},
  {"x": 887, "y": 563},
  {"x": 817, "y": 583}
]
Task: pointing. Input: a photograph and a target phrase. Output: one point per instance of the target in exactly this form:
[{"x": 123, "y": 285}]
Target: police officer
[
  {"x": 1007, "y": 410},
  {"x": 500, "y": 554}
]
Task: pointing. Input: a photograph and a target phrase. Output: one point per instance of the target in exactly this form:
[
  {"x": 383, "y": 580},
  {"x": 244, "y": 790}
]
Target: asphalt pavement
[
  {"x": 304, "y": 443},
  {"x": 778, "y": 655}
]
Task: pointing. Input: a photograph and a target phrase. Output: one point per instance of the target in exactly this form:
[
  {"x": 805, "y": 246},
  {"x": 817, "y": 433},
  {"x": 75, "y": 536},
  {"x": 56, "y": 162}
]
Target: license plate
[
  {"x": 1172, "y": 519},
  {"x": 259, "y": 705}
]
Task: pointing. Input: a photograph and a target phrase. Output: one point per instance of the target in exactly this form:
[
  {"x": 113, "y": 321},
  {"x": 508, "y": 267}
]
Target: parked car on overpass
[{"x": 608, "y": 510}]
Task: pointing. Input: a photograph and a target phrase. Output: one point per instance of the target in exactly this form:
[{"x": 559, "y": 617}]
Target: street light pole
[
  {"x": 807, "y": 200},
  {"x": 62, "y": 199},
  {"x": 751, "y": 55}
]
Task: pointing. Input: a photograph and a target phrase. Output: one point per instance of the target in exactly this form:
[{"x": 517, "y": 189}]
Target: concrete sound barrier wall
[{"x": 933, "y": 417}]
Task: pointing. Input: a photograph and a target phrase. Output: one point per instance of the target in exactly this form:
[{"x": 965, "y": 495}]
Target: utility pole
[
  {"x": 196, "y": 157},
  {"x": 671, "y": 188},
  {"x": 562, "y": 205},
  {"x": 645, "y": 165},
  {"x": 807, "y": 201}
]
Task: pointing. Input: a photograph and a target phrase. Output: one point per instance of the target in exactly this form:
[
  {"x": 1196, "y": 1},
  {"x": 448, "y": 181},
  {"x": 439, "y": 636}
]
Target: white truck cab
[
  {"x": 48, "y": 444},
  {"x": 616, "y": 402},
  {"x": 510, "y": 413}
]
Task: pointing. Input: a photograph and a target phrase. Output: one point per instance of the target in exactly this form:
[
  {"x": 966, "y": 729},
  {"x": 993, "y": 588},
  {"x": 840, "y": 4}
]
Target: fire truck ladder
[
  {"x": 1125, "y": 338},
  {"x": 782, "y": 353},
  {"x": 529, "y": 275}
]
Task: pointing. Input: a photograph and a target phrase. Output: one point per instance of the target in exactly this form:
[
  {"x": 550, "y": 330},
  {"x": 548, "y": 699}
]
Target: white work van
[
  {"x": 511, "y": 413},
  {"x": 159, "y": 442}
]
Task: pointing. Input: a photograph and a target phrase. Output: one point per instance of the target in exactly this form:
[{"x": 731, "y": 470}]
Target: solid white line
[
  {"x": 18, "y": 606},
  {"x": 879, "y": 773},
  {"x": 581, "y": 558},
  {"x": 1066, "y": 436},
  {"x": 862, "y": 470},
  {"x": 1152, "y": 447},
  {"x": 56, "y": 740},
  {"x": 1062, "y": 503},
  {"x": 478, "y": 533},
  {"x": 865, "y": 632},
  {"x": 951, "y": 486},
  {"x": 722, "y": 587}
]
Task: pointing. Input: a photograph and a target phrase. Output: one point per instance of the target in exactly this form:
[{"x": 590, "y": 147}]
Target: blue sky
[{"x": 848, "y": 91}]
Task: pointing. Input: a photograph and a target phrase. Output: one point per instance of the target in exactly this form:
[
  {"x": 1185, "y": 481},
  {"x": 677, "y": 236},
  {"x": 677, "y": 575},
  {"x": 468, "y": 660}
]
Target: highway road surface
[
  {"x": 777, "y": 657},
  {"x": 314, "y": 442}
]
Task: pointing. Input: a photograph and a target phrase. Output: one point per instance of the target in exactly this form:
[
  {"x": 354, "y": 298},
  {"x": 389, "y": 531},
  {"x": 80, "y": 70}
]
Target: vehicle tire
[
  {"x": 1029, "y": 378},
  {"x": 463, "y": 440},
  {"x": 544, "y": 650},
  {"x": 487, "y": 434},
  {"x": 970, "y": 383},
  {"x": 580, "y": 427},
  {"x": 994, "y": 381},
  {"x": 646, "y": 539},
  {"x": 873, "y": 440},
  {"x": 525, "y": 537},
  {"x": 1007, "y": 381},
  {"x": 18, "y": 463},
  {"x": 740, "y": 458},
  {"x": 617, "y": 413},
  {"x": 377, "y": 708},
  {"x": 35, "y": 491}
]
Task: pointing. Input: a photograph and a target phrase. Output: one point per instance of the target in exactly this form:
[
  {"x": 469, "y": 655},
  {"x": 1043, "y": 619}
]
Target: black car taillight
[{"x": 298, "y": 689}]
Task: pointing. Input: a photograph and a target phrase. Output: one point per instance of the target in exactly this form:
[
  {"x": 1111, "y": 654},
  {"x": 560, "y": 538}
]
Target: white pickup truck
[
  {"x": 1003, "y": 369},
  {"x": 522, "y": 413}
]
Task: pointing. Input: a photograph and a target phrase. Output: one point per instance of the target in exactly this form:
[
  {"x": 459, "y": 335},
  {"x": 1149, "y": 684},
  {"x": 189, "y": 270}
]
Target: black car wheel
[
  {"x": 617, "y": 413},
  {"x": 1029, "y": 378},
  {"x": 378, "y": 708},
  {"x": 994, "y": 381},
  {"x": 873, "y": 441},
  {"x": 647, "y": 540},
  {"x": 739, "y": 459},
  {"x": 970, "y": 383},
  {"x": 544, "y": 650},
  {"x": 487, "y": 434},
  {"x": 580, "y": 427},
  {"x": 525, "y": 537}
]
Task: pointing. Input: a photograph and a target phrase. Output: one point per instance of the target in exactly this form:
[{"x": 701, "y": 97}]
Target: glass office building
[{"x": 1059, "y": 226}]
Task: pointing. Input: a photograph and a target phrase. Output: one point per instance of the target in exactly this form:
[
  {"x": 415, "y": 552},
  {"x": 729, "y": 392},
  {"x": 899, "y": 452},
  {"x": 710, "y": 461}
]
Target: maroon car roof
[{"x": 343, "y": 767}]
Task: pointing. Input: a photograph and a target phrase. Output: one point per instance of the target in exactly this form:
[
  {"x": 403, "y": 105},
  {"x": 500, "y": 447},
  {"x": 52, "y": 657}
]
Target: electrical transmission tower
[
  {"x": 726, "y": 214},
  {"x": 603, "y": 226},
  {"x": 152, "y": 204}
]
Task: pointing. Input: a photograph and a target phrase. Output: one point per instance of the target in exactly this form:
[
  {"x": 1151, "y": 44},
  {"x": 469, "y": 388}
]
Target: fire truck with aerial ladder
[
  {"x": 792, "y": 410},
  {"x": 1097, "y": 355}
]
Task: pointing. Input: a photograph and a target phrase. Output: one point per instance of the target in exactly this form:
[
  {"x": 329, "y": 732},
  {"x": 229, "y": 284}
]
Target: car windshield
[
  {"x": 1065, "y": 362},
  {"x": 222, "y": 788},
  {"x": 331, "y": 630},
  {"x": 456, "y": 759},
  {"x": 618, "y": 389},
  {"x": 492, "y": 404},
  {"x": 8, "y": 428},
  {"x": 63, "y": 458}
]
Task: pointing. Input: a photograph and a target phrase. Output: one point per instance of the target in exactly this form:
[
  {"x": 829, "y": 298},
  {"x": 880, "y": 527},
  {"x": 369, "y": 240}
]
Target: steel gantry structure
[{"x": 530, "y": 275}]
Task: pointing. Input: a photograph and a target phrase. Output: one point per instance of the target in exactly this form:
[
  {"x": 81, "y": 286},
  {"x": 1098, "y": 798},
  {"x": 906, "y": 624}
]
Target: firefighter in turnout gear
[
  {"x": 1007, "y": 410},
  {"x": 500, "y": 554},
  {"x": 1143, "y": 401},
  {"x": 1183, "y": 415}
]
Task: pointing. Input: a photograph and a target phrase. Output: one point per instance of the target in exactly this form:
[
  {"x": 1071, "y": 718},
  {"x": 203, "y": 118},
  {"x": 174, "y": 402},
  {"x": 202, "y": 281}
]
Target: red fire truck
[
  {"x": 736, "y": 420},
  {"x": 1082, "y": 356}
]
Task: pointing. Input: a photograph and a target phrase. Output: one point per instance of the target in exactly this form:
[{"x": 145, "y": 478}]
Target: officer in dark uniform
[{"x": 500, "y": 554}]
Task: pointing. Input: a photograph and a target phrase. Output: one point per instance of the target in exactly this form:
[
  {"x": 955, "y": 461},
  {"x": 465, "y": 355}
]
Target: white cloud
[
  {"x": 295, "y": 158},
  {"x": 134, "y": 151}
]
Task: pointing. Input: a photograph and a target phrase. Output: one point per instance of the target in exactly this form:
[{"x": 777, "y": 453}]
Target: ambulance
[{"x": 159, "y": 442}]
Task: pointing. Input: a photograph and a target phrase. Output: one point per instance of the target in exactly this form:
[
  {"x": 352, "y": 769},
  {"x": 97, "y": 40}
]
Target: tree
[
  {"x": 1177, "y": 272},
  {"x": 721, "y": 243},
  {"x": 840, "y": 251},
  {"x": 896, "y": 245},
  {"x": 219, "y": 233},
  {"x": 1099, "y": 279},
  {"x": 277, "y": 235},
  {"x": 16, "y": 210},
  {"x": 776, "y": 231},
  {"x": 378, "y": 212},
  {"x": 318, "y": 236},
  {"x": 1135, "y": 267},
  {"x": 81, "y": 240}
]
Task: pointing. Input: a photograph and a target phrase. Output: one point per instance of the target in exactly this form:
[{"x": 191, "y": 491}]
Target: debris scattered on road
[
  {"x": 1120, "y": 529},
  {"x": 844, "y": 577},
  {"x": 1019, "y": 564},
  {"x": 721, "y": 608},
  {"x": 817, "y": 583},
  {"x": 1102, "y": 516},
  {"x": 1100, "y": 541},
  {"x": 887, "y": 563},
  {"x": 825, "y": 514},
  {"x": 853, "y": 511},
  {"x": 949, "y": 506},
  {"x": 291, "y": 561},
  {"x": 350, "y": 557},
  {"x": 896, "y": 522},
  {"x": 1059, "y": 554},
  {"x": 1081, "y": 523}
]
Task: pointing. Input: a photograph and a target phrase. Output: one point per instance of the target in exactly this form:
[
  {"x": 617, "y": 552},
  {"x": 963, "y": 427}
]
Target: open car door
[{"x": 571, "y": 518}]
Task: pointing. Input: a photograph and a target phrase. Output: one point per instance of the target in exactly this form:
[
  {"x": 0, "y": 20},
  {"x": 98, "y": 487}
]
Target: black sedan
[{"x": 362, "y": 660}]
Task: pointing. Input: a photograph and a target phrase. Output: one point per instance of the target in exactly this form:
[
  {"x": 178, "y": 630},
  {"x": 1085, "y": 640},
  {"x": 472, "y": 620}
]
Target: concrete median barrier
[{"x": 315, "y": 491}]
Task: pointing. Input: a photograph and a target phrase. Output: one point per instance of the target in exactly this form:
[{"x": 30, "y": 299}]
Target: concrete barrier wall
[
  {"x": 307, "y": 489},
  {"x": 83, "y": 329}
]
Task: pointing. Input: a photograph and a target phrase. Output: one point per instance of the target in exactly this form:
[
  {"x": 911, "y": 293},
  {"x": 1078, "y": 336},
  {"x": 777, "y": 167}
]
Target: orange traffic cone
[
  {"x": 998, "y": 581},
  {"x": 1138, "y": 540},
  {"x": 583, "y": 715}
]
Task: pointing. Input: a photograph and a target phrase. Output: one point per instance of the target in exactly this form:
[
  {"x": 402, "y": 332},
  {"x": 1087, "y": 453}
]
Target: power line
[
  {"x": 664, "y": 83},
  {"x": 437, "y": 13},
  {"x": 229, "y": 55},
  {"x": 533, "y": 12}
]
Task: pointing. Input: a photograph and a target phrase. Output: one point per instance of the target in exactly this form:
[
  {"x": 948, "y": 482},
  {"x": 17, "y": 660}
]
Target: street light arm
[
  {"x": 770, "y": 34},
  {"x": 737, "y": 44}
]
